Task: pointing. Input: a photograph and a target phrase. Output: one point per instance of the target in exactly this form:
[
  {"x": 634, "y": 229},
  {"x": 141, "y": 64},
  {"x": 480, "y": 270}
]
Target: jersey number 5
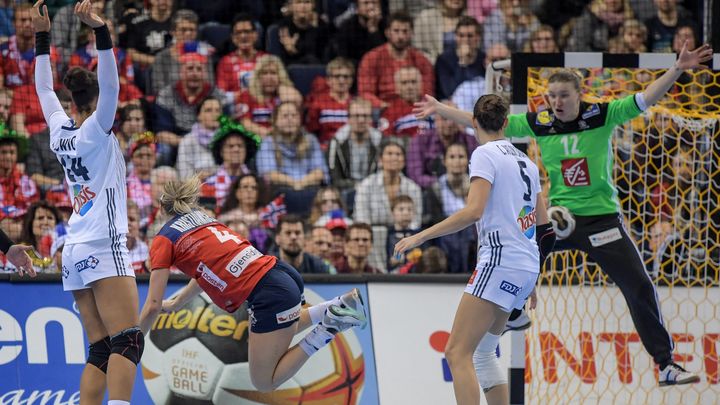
[
  {"x": 224, "y": 236},
  {"x": 526, "y": 179},
  {"x": 76, "y": 169}
]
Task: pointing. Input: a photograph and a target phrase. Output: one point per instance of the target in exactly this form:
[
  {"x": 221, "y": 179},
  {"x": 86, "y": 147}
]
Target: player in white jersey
[
  {"x": 95, "y": 263},
  {"x": 505, "y": 203}
]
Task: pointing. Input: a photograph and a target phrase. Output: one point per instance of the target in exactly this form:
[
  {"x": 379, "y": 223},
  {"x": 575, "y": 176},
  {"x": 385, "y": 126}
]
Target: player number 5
[
  {"x": 526, "y": 196},
  {"x": 224, "y": 236}
]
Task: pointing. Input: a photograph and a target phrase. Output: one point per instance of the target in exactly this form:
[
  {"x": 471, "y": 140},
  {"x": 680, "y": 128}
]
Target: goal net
[{"x": 583, "y": 347}]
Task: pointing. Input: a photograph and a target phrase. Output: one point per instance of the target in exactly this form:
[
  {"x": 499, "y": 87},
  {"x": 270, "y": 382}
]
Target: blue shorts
[{"x": 276, "y": 300}]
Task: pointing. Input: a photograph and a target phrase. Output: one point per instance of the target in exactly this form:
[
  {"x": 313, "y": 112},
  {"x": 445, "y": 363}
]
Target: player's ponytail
[
  {"x": 83, "y": 86},
  {"x": 180, "y": 197}
]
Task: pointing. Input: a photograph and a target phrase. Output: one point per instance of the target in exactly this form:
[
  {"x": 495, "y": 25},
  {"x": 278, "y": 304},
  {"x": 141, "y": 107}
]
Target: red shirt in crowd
[
  {"x": 233, "y": 72},
  {"x": 325, "y": 116},
  {"x": 399, "y": 120},
  {"x": 247, "y": 106},
  {"x": 18, "y": 68},
  {"x": 376, "y": 75},
  {"x": 25, "y": 101},
  {"x": 17, "y": 191},
  {"x": 226, "y": 266}
]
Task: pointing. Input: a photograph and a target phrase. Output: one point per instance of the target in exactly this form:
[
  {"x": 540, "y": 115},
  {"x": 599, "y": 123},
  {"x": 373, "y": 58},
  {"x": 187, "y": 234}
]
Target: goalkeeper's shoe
[
  {"x": 338, "y": 319},
  {"x": 353, "y": 299},
  {"x": 673, "y": 374},
  {"x": 522, "y": 322}
]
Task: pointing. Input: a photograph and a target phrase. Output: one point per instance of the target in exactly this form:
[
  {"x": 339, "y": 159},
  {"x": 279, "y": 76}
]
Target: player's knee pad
[
  {"x": 487, "y": 365},
  {"x": 99, "y": 353},
  {"x": 129, "y": 343}
]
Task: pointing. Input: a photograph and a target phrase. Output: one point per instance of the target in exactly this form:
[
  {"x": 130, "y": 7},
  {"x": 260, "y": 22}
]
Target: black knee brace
[
  {"x": 129, "y": 344},
  {"x": 99, "y": 354}
]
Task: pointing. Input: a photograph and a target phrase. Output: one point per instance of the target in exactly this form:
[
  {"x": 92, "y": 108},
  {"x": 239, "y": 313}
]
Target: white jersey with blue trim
[
  {"x": 506, "y": 231},
  {"x": 95, "y": 171}
]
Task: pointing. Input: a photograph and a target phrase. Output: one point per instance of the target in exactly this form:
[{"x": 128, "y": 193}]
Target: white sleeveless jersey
[
  {"x": 506, "y": 231},
  {"x": 95, "y": 171}
]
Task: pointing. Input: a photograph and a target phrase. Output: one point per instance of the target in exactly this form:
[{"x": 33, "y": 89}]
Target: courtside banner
[
  {"x": 583, "y": 345},
  {"x": 198, "y": 352},
  {"x": 411, "y": 325}
]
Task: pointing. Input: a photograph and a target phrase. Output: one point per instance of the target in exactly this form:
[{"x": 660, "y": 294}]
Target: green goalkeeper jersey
[{"x": 578, "y": 155}]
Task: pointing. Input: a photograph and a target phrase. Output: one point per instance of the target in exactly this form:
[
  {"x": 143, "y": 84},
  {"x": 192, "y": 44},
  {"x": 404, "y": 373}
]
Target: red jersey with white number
[{"x": 226, "y": 266}]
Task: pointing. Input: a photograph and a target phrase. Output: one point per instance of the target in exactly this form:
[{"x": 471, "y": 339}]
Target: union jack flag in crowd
[{"x": 271, "y": 213}]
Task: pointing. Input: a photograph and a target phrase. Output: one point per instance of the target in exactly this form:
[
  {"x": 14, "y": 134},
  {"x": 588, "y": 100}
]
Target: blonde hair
[
  {"x": 180, "y": 197},
  {"x": 255, "y": 87},
  {"x": 340, "y": 63}
]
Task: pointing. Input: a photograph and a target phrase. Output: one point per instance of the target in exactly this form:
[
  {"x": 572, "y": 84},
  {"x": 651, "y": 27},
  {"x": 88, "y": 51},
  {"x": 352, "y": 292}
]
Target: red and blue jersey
[{"x": 225, "y": 265}]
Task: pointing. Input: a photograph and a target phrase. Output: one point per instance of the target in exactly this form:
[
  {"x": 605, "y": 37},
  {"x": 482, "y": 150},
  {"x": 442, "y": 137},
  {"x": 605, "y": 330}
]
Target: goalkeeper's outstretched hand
[{"x": 693, "y": 59}]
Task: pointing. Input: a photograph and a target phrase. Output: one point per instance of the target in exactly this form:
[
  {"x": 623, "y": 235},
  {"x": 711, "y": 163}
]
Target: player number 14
[{"x": 570, "y": 142}]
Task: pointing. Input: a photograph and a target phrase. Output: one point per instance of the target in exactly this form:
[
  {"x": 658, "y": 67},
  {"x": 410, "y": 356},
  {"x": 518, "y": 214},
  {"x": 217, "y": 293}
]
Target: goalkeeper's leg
[{"x": 607, "y": 242}]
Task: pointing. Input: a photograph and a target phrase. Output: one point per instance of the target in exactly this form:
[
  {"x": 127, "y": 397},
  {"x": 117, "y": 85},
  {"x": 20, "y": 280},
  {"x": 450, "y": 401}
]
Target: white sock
[
  {"x": 317, "y": 312},
  {"x": 316, "y": 340},
  {"x": 117, "y": 402}
]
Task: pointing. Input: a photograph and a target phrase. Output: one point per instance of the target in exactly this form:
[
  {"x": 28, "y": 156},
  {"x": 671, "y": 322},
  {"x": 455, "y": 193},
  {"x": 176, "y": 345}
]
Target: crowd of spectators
[{"x": 334, "y": 167}]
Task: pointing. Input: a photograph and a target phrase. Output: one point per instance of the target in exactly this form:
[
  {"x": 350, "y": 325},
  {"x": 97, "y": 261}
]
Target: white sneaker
[
  {"x": 338, "y": 319},
  {"x": 522, "y": 322},
  {"x": 673, "y": 374},
  {"x": 353, "y": 299}
]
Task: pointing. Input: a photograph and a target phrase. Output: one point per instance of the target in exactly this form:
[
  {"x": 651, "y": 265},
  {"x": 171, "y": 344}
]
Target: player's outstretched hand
[
  {"x": 425, "y": 107},
  {"x": 41, "y": 22},
  {"x": 406, "y": 244},
  {"x": 693, "y": 59},
  {"x": 84, "y": 11},
  {"x": 17, "y": 255}
]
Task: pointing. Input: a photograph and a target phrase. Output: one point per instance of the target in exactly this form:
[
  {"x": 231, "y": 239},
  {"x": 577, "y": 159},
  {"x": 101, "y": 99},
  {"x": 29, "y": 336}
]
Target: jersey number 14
[{"x": 76, "y": 169}]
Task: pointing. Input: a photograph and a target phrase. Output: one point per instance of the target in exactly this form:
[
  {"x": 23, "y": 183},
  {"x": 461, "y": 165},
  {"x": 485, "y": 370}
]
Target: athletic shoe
[
  {"x": 353, "y": 299},
  {"x": 338, "y": 319},
  {"x": 522, "y": 322},
  {"x": 673, "y": 374}
]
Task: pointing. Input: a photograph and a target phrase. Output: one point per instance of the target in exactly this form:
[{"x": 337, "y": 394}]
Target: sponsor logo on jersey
[
  {"x": 83, "y": 199},
  {"x": 526, "y": 220},
  {"x": 289, "y": 315},
  {"x": 211, "y": 277},
  {"x": 575, "y": 172},
  {"x": 90, "y": 263},
  {"x": 509, "y": 288},
  {"x": 242, "y": 260},
  {"x": 582, "y": 124},
  {"x": 591, "y": 111},
  {"x": 65, "y": 272},
  {"x": 544, "y": 118}
]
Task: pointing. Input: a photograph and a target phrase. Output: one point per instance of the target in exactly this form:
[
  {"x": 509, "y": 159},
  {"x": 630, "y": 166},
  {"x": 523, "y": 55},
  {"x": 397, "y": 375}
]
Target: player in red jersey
[{"x": 231, "y": 271}]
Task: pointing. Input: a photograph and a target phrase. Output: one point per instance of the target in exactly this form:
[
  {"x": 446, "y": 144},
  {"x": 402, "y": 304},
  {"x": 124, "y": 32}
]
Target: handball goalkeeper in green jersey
[{"x": 575, "y": 143}]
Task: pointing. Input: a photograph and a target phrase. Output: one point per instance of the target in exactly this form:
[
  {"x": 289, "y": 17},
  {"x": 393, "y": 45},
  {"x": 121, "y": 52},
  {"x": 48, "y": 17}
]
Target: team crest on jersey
[
  {"x": 90, "y": 263},
  {"x": 544, "y": 118},
  {"x": 591, "y": 111},
  {"x": 82, "y": 199},
  {"x": 575, "y": 172},
  {"x": 526, "y": 220}
]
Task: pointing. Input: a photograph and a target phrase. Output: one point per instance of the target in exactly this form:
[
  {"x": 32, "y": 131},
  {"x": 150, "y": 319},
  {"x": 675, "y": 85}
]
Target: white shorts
[
  {"x": 87, "y": 262},
  {"x": 507, "y": 288}
]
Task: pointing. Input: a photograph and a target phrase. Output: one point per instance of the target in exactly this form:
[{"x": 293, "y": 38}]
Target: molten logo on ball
[{"x": 199, "y": 354}]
